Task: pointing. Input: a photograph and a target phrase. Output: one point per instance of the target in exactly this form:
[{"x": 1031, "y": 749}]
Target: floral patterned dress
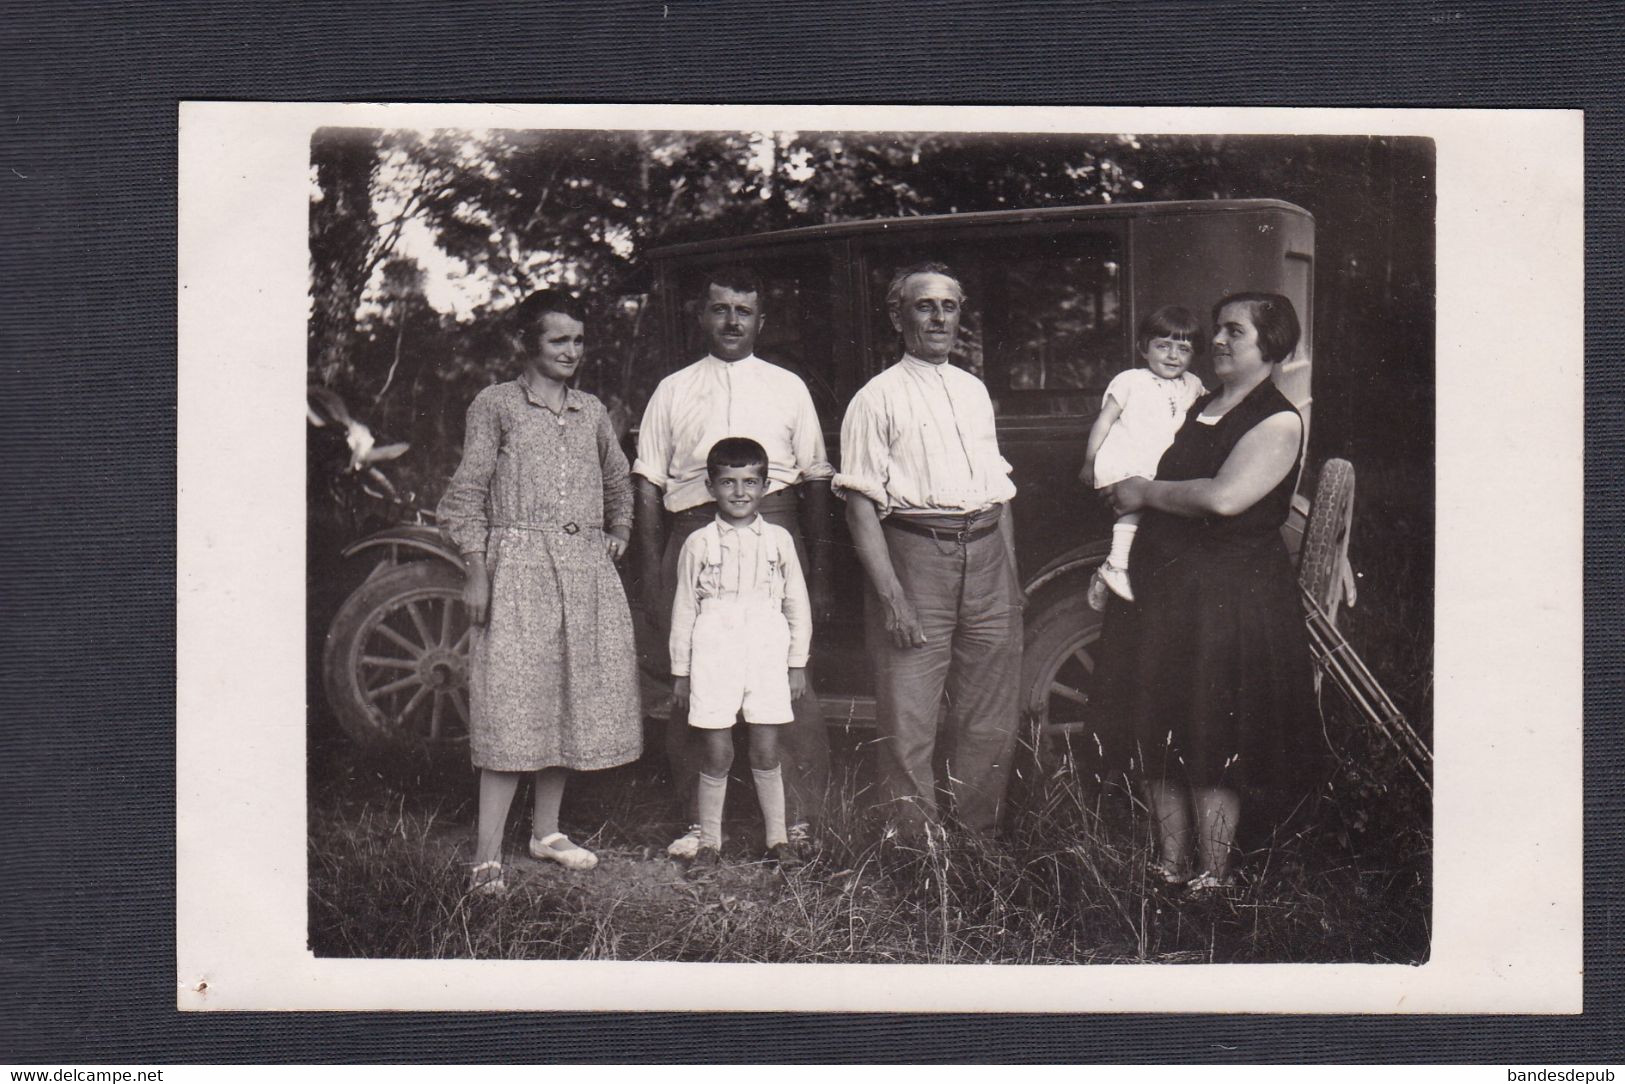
[{"x": 553, "y": 672}]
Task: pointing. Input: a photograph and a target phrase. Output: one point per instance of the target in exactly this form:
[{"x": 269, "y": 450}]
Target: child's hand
[
  {"x": 679, "y": 693},
  {"x": 1087, "y": 474},
  {"x": 477, "y": 592},
  {"x": 798, "y": 682}
]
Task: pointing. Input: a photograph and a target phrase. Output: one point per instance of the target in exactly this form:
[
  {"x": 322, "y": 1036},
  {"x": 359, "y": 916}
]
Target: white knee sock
[
  {"x": 1122, "y": 539},
  {"x": 713, "y": 793},
  {"x": 770, "y": 793}
]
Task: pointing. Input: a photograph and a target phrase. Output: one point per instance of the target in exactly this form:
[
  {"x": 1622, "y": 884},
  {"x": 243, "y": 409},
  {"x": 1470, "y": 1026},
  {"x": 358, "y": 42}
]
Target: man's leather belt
[{"x": 970, "y": 529}]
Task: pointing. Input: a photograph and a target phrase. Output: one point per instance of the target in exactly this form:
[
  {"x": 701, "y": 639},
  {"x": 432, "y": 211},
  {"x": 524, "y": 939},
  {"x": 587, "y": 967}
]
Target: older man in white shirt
[
  {"x": 926, "y": 500},
  {"x": 733, "y": 393}
]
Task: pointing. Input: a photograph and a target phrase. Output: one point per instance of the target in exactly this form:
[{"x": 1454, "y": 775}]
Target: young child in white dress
[
  {"x": 1141, "y": 412},
  {"x": 741, "y": 629}
]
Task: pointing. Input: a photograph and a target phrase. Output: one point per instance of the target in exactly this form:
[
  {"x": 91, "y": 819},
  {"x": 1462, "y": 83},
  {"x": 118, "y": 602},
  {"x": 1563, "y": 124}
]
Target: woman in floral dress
[{"x": 541, "y": 508}]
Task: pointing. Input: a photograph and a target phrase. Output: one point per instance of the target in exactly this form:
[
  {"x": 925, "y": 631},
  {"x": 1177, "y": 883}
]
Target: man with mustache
[{"x": 733, "y": 393}]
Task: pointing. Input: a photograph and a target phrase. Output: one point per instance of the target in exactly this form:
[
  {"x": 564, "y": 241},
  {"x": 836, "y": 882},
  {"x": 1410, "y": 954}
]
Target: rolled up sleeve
[
  {"x": 654, "y": 438},
  {"x": 811, "y": 457},
  {"x": 463, "y": 511},
  {"x": 865, "y": 452}
]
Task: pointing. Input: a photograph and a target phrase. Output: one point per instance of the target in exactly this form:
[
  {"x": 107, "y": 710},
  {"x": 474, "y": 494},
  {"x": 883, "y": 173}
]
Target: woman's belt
[
  {"x": 545, "y": 528},
  {"x": 945, "y": 527}
]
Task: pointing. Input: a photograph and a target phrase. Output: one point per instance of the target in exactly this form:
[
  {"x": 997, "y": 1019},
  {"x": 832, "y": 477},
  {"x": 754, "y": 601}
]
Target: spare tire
[{"x": 1326, "y": 539}]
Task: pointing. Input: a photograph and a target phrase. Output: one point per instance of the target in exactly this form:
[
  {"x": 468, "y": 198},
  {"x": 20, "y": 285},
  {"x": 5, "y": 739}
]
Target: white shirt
[
  {"x": 756, "y": 565},
  {"x": 921, "y": 438},
  {"x": 695, "y": 407}
]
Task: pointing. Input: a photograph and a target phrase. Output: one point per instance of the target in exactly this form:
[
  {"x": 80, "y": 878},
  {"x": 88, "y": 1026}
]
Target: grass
[
  {"x": 1341, "y": 876},
  {"x": 1069, "y": 885}
]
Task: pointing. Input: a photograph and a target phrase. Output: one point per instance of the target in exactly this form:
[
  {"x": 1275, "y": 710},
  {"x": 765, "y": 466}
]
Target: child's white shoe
[
  {"x": 486, "y": 879},
  {"x": 571, "y": 857},
  {"x": 1117, "y": 579},
  {"x": 686, "y": 845},
  {"x": 1098, "y": 593}
]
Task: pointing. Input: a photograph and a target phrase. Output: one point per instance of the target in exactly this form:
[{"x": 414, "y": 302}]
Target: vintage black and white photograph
[
  {"x": 787, "y": 546},
  {"x": 990, "y": 542}
]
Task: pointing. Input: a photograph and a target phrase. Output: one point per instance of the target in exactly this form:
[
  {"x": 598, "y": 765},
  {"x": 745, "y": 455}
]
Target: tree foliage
[{"x": 519, "y": 209}]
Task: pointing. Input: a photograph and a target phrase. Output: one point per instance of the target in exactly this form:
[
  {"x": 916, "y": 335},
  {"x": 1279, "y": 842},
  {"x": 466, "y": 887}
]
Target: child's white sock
[
  {"x": 770, "y": 793},
  {"x": 713, "y": 793},
  {"x": 1122, "y": 539}
]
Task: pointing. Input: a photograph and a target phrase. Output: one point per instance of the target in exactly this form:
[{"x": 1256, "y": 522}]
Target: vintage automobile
[{"x": 1053, "y": 295}]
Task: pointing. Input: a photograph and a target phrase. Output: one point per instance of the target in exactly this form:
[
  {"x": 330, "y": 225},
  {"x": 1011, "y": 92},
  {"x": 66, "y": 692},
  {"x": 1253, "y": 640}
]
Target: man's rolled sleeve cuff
[
  {"x": 818, "y": 472},
  {"x": 843, "y": 484},
  {"x": 798, "y": 662},
  {"x": 653, "y": 474},
  {"x": 620, "y": 522}
]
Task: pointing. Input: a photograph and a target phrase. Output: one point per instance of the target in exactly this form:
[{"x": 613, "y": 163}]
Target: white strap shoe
[{"x": 571, "y": 857}]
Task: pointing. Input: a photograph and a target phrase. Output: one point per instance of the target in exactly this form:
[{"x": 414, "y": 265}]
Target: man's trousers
[{"x": 968, "y": 600}]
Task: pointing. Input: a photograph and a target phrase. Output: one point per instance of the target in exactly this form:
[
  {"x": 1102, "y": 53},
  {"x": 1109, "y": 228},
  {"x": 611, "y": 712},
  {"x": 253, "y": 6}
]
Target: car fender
[
  {"x": 415, "y": 538},
  {"x": 1077, "y": 559}
]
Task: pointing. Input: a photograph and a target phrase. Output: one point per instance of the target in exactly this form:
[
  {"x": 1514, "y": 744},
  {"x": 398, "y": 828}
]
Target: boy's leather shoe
[
  {"x": 785, "y": 856},
  {"x": 707, "y": 860}
]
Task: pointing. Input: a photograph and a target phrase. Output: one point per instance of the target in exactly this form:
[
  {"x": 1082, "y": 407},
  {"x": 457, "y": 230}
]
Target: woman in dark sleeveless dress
[{"x": 1211, "y": 664}]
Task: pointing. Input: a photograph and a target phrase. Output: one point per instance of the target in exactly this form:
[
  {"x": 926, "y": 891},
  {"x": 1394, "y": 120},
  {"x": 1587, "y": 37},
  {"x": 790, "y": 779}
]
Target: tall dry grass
[
  {"x": 1342, "y": 872},
  {"x": 1341, "y": 880}
]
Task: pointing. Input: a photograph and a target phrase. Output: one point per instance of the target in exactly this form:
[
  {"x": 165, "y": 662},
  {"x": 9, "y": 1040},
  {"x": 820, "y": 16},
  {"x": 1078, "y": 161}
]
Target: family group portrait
[{"x": 870, "y": 547}]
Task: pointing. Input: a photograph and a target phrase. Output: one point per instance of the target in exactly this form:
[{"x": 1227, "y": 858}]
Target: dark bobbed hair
[
  {"x": 1275, "y": 319},
  {"x": 894, "y": 292},
  {"x": 735, "y": 452},
  {"x": 1170, "y": 322},
  {"x": 527, "y": 315},
  {"x": 735, "y": 277}
]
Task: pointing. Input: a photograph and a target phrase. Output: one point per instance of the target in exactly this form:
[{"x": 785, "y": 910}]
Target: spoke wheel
[
  {"x": 396, "y": 659},
  {"x": 1057, "y": 671}
]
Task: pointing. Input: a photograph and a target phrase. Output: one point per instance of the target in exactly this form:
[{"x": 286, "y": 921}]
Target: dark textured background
[{"x": 88, "y": 97}]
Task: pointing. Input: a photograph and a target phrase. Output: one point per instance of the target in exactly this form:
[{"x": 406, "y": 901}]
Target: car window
[{"x": 1043, "y": 320}]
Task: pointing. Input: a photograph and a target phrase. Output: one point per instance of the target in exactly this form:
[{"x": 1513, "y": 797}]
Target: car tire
[
  {"x": 395, "y": 663},
  {"x": 1322, "y": 559}
]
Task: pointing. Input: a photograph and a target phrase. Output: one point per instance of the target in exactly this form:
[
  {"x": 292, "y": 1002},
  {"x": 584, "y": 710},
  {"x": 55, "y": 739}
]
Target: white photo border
[{"x": 1508, "y": 814}]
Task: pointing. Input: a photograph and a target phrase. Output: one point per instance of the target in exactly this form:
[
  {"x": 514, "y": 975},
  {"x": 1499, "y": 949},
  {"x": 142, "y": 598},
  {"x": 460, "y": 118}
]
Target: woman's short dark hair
[
  {"x": 736, "y": 277},
  {"x": 527, "y": 315},
  {"x": 1275, "y": 319},
  {"x": 1170, "y": 322},
  {"x": 735, "y": 452}
]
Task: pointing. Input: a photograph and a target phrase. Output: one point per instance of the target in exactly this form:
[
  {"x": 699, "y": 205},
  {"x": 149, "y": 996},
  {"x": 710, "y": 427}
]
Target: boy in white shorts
[{"x": 741, "y": 629}]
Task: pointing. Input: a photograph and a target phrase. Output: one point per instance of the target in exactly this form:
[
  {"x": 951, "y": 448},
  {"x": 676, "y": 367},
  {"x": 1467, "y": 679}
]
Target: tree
[{"x": 341, "y": 238}]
